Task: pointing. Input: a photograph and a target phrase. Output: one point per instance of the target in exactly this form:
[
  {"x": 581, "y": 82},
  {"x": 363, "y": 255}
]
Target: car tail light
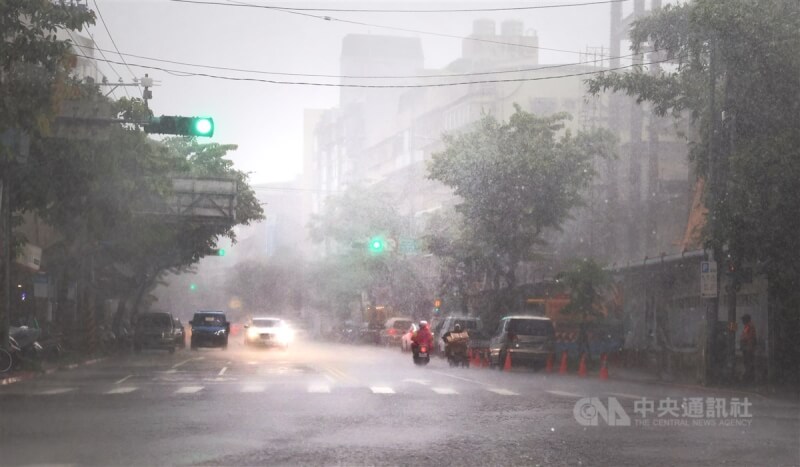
[
  {"x": 423, "y": 349},
  {"x": 392, "y": 331}
]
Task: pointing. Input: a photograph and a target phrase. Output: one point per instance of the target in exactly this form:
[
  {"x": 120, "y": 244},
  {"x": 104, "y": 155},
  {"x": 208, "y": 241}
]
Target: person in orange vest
[{"x": 747, "y": 342}]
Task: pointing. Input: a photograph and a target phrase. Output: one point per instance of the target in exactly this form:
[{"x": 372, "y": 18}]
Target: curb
[
  {"x": 28, "y": 375},
  {"x": 699, "y": 387}
]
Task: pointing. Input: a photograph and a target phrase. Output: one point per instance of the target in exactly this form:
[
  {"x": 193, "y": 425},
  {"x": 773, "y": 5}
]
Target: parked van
[{"x": 528, "y": 339}]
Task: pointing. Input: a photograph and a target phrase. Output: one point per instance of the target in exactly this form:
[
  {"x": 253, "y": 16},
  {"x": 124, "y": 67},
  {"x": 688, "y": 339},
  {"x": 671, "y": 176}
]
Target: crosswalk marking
[
  {"x": 189, "y": 390},
  {"x": 381, "y": 390},
  {"x": 445, "y": 391},
  {"x": 564, "y": 394},
  {"x": 627, "y": 396},
  {"x": 253, "y": 388},
  {"x": 50, "y": 392},
  {"x": 319, "y": 389},
  {"x": 122, "y": 390},
  {"x": 503, "y": 392}
]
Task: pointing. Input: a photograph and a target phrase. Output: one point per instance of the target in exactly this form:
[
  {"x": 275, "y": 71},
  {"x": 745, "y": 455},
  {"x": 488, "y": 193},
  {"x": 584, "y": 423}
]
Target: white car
[{"x": 269, "y": 332}]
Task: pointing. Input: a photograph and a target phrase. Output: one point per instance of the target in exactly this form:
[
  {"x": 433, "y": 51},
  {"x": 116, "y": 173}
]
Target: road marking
[
  {"x": 564, "y": 394},
  {"x": 250, "y": 388},
  {"x": 189, "y": 390},
  {"x": 319, "y": 389},
  {"x": 381, "y": 390},
  {"x": 423, "y": 382},
  {"x": 122, "y": 390},
  {"x": 222, "y": 371},
  {"x": 461, "y": 378},
  {"x": 503, "y": 392},
  {"x": 123, "y": 379},
  {"x": 51, "y": 392},
  {"x": 445, "y": 391},
  {"x": 179, "y": 364},
  {"x": 627, "y": 396}
]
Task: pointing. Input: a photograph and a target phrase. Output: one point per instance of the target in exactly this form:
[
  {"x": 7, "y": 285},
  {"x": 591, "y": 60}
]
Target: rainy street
[{"x": 338, "y": 404}]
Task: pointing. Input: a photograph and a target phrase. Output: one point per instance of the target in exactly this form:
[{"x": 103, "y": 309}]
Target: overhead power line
[
  {"x": 83, "y": 50},
  {"x": 444, "y": 10},
  {"x": 105, "y": 25},
  {"x": 373, "y": 25},
  {"x": 384, "y": 86},
  {"x": 317, "y": 75}
]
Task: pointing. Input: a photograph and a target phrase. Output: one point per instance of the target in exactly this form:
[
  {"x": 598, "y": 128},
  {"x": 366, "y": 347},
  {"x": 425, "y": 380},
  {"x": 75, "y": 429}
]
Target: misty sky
[{"x": 266, "y": 120}]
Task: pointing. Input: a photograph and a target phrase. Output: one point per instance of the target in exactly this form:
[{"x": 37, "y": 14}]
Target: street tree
[
  {"x": 734, "y": 67},
  {"x": 587, "y": 283},
  {"x": 348, "y": 224},
  {"x": 514, "y": 181}
]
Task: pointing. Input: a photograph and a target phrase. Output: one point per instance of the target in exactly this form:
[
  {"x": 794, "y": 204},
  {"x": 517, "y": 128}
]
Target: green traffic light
[
  {"x": 202, "y": 126},
  {"x": 192, "y": 287},
  {"x": 377, "y": 245},
  {"x": 221, "y": 252}
]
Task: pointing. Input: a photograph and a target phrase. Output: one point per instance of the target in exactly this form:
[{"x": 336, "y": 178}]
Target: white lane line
[
  {"x": 51, "y": 392},
  {"x": 503, "y": 392},
  {"x": 319, "y": 389},
  {"x": 423, "y": 382},
  {"x": 445, "y": 391},
  {"x": 122, "y": 390},
  {"x": 381, "y": 390},
  {"x": 179, "y": 364},
  {"x": 123, "y": 379},
  {"x": 469, "y": 380},
  {"x": 251, "y": 388},
  {"x": 564, "y": 394},
  {"x": 627, "y": 396},
  {"x": 222, "y": 371},
  {"x": 189, "y": 390}
]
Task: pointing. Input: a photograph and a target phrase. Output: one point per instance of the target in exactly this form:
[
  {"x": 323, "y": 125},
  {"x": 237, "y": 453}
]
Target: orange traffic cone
[
  {"x": 549, "y": 367},
  {"x": 562, "y": 370},
  {"x": 604, "y": 366},
  {"x": 582, "y": 366},
  {"x": 507, "y": 365}
]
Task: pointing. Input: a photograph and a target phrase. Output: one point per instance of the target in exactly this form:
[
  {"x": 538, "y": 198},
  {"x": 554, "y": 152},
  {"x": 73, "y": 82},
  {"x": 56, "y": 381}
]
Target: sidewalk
[
  {"x": 784, "y": 392},
  {"x": 68, "y": 362}
]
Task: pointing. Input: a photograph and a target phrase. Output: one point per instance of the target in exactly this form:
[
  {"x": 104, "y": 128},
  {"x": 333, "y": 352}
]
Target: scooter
[{"x": 420, "y": 354}]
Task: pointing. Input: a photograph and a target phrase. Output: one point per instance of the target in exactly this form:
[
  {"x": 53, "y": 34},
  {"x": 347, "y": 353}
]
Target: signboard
[
  {"x": 41, "y": 287},
  {"x": 708, "y": 279},
  {"x": 30, "y": 256}
]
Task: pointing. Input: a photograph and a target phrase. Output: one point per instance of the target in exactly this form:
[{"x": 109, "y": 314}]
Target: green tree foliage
[
  {"x": 346, "y": 224},
  {"x": 587, "y": 283},
  {"x": 34, "y": 62},
  {"x": 754, "y": 196},
  {"x": 514, "y": 180}
]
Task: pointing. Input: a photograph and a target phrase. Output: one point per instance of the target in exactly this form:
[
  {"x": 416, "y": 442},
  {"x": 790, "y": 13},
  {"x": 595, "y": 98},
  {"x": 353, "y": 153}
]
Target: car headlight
[
  {"x": 252, "y": 333},
  {"x": 284, "y": 336}
]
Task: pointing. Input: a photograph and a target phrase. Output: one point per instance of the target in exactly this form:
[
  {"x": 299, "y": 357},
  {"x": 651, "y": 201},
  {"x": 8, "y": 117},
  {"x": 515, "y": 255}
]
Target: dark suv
[
  {"x": 210, "y": 329},
  {"x": 154, "y": 330},
  {"x": 528, "y": 339}
]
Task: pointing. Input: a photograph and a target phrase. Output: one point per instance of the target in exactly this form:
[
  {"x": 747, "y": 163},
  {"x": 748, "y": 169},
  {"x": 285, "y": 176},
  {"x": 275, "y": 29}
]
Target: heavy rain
[{"x": 546, "y": 232}]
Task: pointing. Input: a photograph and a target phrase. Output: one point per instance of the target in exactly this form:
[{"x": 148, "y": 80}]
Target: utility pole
[{"x": 5, "y": 217}]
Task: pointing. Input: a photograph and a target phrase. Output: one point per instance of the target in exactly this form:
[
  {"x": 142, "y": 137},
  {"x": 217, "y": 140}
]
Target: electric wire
[{"x": 386, "y": 86}]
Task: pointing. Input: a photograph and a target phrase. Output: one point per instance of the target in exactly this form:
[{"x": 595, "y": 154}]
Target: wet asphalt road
[{"x": 325, "y": 404}]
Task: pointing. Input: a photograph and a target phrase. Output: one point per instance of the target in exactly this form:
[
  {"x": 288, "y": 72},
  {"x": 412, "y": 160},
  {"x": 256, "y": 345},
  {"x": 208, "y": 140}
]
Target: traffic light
[
  {"x": 192, "y": 287},
  {"x": 177, "y": 125},
  {"x": 218, "y": 251},
  {"x": 377, "y": 245},
  {"x": 437, "y": 304}
]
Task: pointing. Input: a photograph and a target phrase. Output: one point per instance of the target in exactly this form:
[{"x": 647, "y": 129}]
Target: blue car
[{"x": 210, "y": 329}]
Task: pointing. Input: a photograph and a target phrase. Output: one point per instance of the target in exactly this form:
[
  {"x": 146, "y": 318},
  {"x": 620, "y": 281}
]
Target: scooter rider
[{"x": 422, "y": 337}]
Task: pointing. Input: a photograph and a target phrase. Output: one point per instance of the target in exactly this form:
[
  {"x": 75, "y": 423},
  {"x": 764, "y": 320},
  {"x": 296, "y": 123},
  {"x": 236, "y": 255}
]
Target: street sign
[{"x": 708, "y": 279}]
